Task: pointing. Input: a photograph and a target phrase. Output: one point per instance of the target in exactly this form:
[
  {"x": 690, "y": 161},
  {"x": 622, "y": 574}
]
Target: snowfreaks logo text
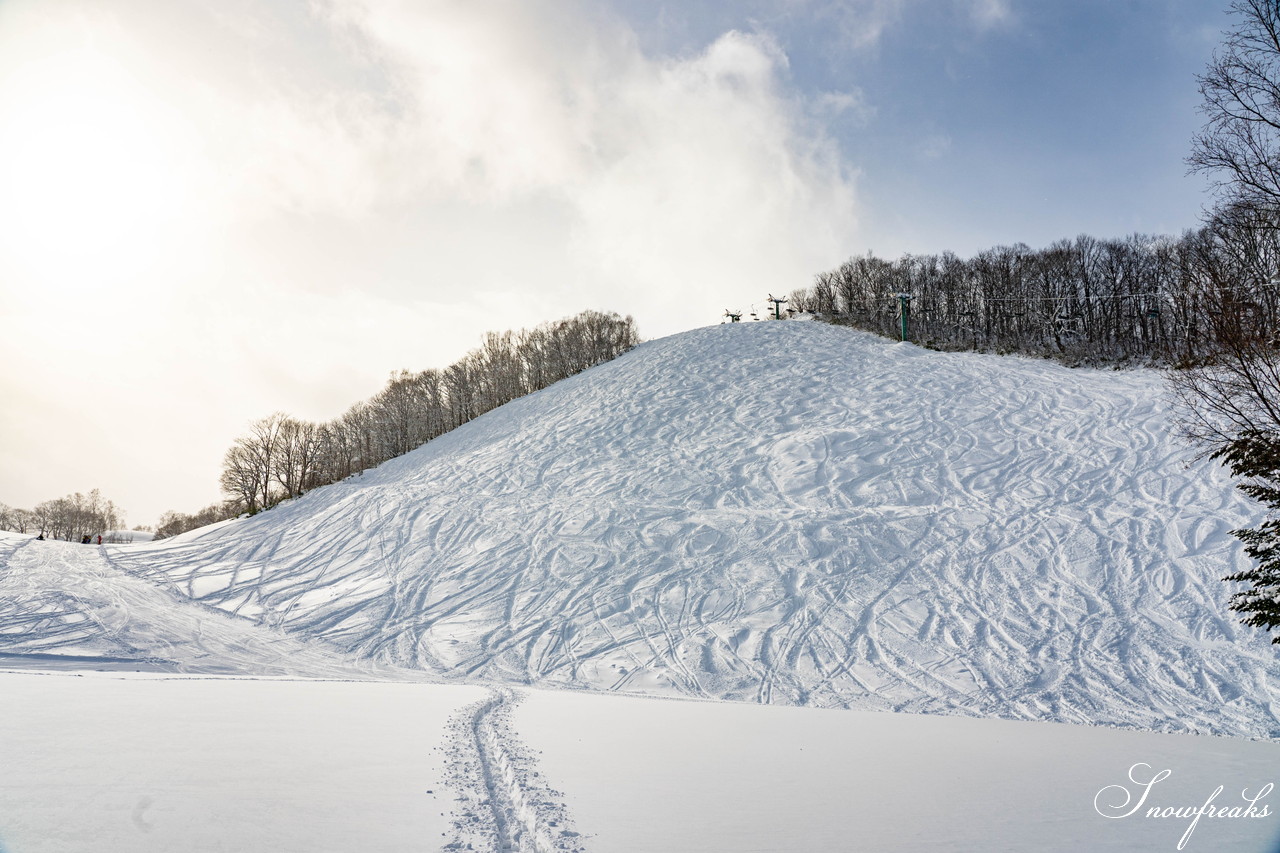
[{"x": 1121, "y": 801}]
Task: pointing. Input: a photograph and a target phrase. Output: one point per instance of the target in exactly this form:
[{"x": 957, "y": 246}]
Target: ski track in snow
[
  {"x": 784, "y": 513},
  {"x": 64, "y": 605},
  {"x": 503, "y": 803}
]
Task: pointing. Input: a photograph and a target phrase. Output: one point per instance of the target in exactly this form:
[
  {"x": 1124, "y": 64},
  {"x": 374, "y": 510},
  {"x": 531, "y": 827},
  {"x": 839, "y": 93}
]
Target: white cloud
[
  {"x": 934, "y": 146},
  {"x": 860, "y": 25},
  {"x": 670, "y": 178},
  {"x": 717, "y": 183},
  {"x": 990, "y": 13},
  {"x": 856, "y": 24},
  {"x": 851, "y": 102}
]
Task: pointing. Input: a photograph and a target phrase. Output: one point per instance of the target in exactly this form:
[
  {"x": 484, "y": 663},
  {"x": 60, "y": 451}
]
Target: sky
[{"x": 211, "y": 210}]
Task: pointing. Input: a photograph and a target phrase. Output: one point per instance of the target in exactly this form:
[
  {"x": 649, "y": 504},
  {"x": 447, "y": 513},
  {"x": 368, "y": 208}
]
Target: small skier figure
[{"x": 99, "y": 538}]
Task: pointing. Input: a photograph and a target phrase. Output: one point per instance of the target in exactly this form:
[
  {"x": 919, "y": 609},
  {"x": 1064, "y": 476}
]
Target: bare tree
[
  {"x": 1241, "y": 89},
  {"x": 294, "y": 461},
  {"x": 17, "y": 520},
  {"x": 1231, "y": 395},
  {"x": 243, "y": 479},
  {"x": 1233, "y": 384}
]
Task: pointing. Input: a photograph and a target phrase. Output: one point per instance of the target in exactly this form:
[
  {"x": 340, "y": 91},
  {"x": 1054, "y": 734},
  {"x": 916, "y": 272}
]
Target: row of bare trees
[
  {"x": 71, "y": 518},
  {"x": 282, "y": 457},
  {"x": 1142, "y": 298}
]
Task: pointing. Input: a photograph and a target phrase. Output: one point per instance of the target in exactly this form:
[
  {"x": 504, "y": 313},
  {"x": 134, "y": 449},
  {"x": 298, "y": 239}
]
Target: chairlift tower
[
  {"x": 777, "y": 303},
  {"x": 904, "y": 313}
]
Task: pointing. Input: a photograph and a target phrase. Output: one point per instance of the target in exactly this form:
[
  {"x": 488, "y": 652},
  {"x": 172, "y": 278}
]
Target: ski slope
[
  {"x": 782, "y": 513},
  {"x": 63, "y": 606}
]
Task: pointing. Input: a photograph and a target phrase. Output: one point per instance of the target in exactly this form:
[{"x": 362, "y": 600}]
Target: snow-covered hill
[{"x": 787, "y": 513}]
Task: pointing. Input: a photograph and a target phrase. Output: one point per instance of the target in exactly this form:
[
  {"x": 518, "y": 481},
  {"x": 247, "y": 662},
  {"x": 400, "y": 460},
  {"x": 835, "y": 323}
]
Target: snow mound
[
  {"x": 127, "y": 537},
  {"x": 785, "y": 513}
]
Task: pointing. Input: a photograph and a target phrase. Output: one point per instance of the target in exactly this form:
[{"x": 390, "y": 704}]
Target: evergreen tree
[{"x": 1254, "y": 456}]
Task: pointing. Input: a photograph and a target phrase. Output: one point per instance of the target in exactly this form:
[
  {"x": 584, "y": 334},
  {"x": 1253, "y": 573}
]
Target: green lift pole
[{"x": 904, "y": 312}]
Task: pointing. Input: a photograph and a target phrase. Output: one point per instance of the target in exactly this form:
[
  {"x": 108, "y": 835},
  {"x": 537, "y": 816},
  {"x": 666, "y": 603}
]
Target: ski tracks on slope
[
  {"x": 67, "y": 604},
  {"x": 791, "y": 514},
  {"x": 504, "y": 804}
]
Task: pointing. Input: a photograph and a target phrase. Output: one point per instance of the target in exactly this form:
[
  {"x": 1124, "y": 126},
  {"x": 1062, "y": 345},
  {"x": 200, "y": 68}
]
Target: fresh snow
[
  {"x": 109, "y": 763},
  {"x": 99, "y": 764},
  {"x": 781, "y": 514},
  {"x": 701, "y": 777},
  {"x": 784, "y": 513}
]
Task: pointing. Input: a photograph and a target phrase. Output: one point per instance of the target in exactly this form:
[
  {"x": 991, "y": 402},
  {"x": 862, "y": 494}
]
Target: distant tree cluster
[
  {"x": 172, "y": 522},
  {"x": 1138, "y": 299},
  {"x": 281, "y": 457},
  {"x": 70, "y": 518}
]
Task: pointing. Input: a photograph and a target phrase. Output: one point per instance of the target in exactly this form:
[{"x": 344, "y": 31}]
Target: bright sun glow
[{"x": 91, "y": 183}]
